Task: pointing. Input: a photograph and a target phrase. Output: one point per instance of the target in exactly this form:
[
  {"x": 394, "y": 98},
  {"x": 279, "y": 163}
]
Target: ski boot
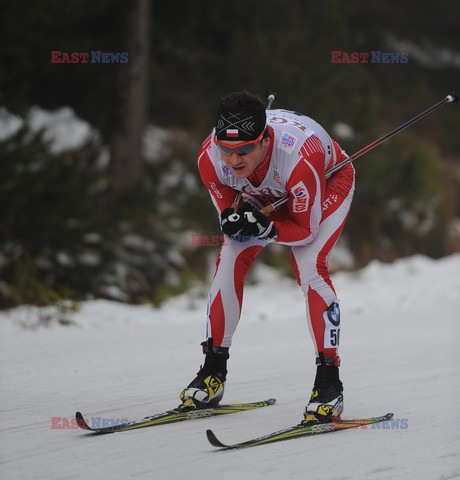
[
  {"x": 326, "y": 401},
  {"x": 207, "y": 388}
]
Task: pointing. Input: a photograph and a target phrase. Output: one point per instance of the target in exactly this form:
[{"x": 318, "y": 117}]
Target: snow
[
  {"x": 427, "y": 53},
  {"x": 155, "y": 143},
  {"x": 62, "y": 128},
  {"x": 9, "y": 124},
  {"x": 344, "y": 131},
  {"x": 399, "y": 351}
]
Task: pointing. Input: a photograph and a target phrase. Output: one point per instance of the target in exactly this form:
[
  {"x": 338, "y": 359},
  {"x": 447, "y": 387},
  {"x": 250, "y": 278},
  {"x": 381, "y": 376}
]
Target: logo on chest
[{"x": 287, "y": 142}]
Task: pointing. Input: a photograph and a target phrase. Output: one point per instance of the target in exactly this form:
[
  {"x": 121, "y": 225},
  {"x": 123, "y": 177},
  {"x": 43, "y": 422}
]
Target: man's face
[{"x": 243, "y": 165}]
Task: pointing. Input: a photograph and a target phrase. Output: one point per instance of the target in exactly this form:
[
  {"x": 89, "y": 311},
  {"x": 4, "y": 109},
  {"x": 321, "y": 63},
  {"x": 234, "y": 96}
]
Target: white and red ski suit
[{"x": 297, "y": 161}]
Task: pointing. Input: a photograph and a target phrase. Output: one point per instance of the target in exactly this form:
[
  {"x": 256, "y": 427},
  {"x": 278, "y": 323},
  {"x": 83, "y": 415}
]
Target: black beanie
[{"x": 240, "y": 124}]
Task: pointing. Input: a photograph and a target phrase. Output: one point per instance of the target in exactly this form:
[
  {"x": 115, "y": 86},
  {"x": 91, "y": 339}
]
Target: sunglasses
[{"x": 240, "y": 149}]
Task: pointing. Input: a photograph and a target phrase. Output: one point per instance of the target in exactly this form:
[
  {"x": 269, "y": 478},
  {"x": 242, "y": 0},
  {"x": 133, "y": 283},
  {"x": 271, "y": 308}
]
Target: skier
[{"x": 252, "y": 158}]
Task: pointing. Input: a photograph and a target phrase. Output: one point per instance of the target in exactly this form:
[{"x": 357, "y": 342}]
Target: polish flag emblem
[{"x": 232, "y": 132}]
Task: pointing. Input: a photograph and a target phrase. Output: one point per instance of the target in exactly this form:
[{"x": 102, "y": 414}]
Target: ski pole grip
[{"x": 267, "y": 209}]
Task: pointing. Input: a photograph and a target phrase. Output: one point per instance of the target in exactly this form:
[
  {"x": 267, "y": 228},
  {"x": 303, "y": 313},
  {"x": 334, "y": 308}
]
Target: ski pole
[
  {"x": 236, "y": 202},
  {"x": 451, "y": 98},
  {"x": 272, "y": 206},
  {"x": 271, "y": 98}
]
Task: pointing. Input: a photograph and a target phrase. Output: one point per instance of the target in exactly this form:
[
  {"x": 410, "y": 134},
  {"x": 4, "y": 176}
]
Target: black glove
[
  {"x": 232, "y": 222},
  {"x": 248, "y": 222},
  {"x": 258, "y": 225}
]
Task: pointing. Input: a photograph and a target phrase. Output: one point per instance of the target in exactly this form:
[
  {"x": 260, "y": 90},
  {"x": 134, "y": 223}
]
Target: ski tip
[
  {"x": 213, "y": 440},
  {"x": 81, "y": 421}
]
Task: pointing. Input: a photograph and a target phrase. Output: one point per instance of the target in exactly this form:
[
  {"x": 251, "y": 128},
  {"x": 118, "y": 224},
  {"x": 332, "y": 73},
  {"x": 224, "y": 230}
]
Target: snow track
[{"x": 399, "y": 348}]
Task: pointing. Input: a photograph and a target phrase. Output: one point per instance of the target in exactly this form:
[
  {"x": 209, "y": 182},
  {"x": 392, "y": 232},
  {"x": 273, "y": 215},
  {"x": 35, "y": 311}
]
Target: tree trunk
[{"x": 127, "y": 162}]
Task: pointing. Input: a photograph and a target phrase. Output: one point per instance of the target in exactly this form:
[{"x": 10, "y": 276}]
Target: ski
[
  {"x": 297, "y": 432},
  {"x": 173, "y": 416}
]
